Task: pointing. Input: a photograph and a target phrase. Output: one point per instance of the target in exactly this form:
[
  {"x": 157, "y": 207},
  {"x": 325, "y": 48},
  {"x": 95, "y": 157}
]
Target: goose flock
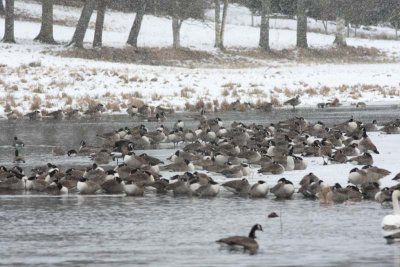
[{"x": 211, "y": 150}]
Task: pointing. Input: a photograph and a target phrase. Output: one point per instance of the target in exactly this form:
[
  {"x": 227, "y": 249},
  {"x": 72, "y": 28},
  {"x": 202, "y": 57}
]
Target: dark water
[{"x": 74, "y": 230}]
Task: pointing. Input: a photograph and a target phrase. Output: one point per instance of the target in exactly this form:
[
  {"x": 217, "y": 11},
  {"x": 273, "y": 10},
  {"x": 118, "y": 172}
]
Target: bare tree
[
  {"x": 223, "y": 23},
  {"x": 176, "y": 25},
  {"x": 301, "y": 24},
  {"x": 9, "y": 22},
  {"x": 83, "y": 23},
  {"x": 46, "y": 29},
  {"x": 98, "y": 30},
  {"x": 340, "y": 34},
  {"x": 137, "y": 23},
  {"x": 217, "y": 10},
  {"x": 2, "y": 11},
  {"x": 264, "y": 27}
]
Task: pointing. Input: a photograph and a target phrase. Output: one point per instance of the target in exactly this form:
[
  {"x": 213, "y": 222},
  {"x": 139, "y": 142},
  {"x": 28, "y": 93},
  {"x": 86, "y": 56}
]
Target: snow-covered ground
[{"x": 62, "y": 82}]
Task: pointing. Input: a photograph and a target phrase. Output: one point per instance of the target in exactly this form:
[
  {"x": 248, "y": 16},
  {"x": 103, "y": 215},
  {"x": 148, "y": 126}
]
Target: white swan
[{"x": 391, "y": 222}]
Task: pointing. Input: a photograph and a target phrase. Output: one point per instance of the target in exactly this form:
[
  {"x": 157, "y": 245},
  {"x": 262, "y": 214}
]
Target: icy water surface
[{"x": 101, "y": 230}]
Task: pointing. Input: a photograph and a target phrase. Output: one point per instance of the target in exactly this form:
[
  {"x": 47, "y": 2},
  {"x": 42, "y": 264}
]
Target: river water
[{"x": 103, "y": 230}]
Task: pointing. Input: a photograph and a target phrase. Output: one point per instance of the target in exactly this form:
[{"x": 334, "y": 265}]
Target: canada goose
[
  {"x": 56, "y": 115},
  {"x": 34, "y": 116},
  {"x": 351, "y": 150},
  {"x": 233, "y": 172},
  {"x": 299, "y": 163},
  {"x": 364, "y": 159},
  {"x": 56, "y": 188},
  {"x": 305, "y": 184},
  {"x": 140, "y": 176},
  {"x": 392, "y": 128},
  {"x": 95, "y": 112},
  {"x": 12, "y": 116},
  {"x": 13, "y": 182},
  {"x": 133, "y": 161},
  {"x": 391, "y": 223},
  {"x": 72, "y": 114},
  {"x": 370, "y": 190},
  {"x": 184, "y": 166},
  {"x": 371, "y": 127},
  {"x": 374, "y": 174},
  {"x": 180, "y": 187},
  {"x": 259, "y": 189},
  {"x": 338, "y": 157},
  {"x": 87, "y": 187},
  {"x": 385, "y": 194},
  {"x": 132, "y": 111},
  {"x": 211, "y": 189},
  {"x": 160, "y": 185},
  {"x": 240, "y": 187},
  {"x": 86, "y": 149},
  {"x": 246, "y": 242},
  {"x": 293, "y": 102},
  {"x": 366, "y": 145},
  {"x": 283, "y": 189},
  {"x": 273, "y": 168},
  {"x": 133, "y": 189},
  {"x": 18, "y": 143},
  {"x": 34, "y": 184},
  {"x": 18, "y": 158},
  {"x": 72, "y": 153},
  {"x": 113, "y": 186},
  {"x": 358, "y": 177}
]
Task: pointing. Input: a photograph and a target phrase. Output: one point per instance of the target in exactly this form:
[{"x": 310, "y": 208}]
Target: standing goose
[
  {"x": 18, "y": 158},
  {"x": 246, "y": 242},
  {"x": 293, "y": 102},
  {"x": 366, "y": 145},
  {"x": 391, "y": 223}
]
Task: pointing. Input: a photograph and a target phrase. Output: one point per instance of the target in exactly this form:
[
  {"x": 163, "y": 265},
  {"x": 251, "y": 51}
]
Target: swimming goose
[
  {"x": 384, "y": 195},
  {"x": 180, "y": 187},
  {"x": 240, "y": 187},
  {"x": 72, "y": 114},
  {"x": 259, "y": 189},
  {"x": 13, "y": 182},
  {"x": 246, "y": 242},
  {"x": 18, "y": 158},
  {"x": 283, "y": 189},
  {"x": 56, "y": 115},
  {"x": 35, "y": 184},
  {"x": 18, "y": 143},
  {"x": 391, "y": 223},
  {"x": 85, "y": 186}
]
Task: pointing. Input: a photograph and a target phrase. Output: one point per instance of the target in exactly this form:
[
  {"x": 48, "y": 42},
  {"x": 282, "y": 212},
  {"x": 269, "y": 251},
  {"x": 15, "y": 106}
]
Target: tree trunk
[
  {"x": 340, "y": 35},
  {"x": 355, "y": 30},
  {"x": 301, "y": 24},
  {"x": 217, "y": 24},
  {"x": 9, "y": 22},
  {"x": 137, "y": 23},
  {"x": 223, "y": 23},
  {"x": 98, "y": 30},
  {"x": 396, "y": 28},
  {"x": 176, "y": 32},
  {"x": 252, "y": 19},
  {"x": 264, "y": 27},
  {"x": 348, "y": 29},
  {"x": 2, "y": 11},
  {"x": 325, "y": 23},
  {"x": 83, "y": 23},
  {"x": 46, "y": 29}
]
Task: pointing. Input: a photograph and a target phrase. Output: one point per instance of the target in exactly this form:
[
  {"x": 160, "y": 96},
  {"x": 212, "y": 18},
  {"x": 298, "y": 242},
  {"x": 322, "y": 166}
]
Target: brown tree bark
[
  {"x": 137, "y": 23},
  {"x": 83, "y": 23},
  {"x": 46, "y": 29},
  {"x": 217, "y": 16},
  {"x": 9, "y": 23},
  {"x": 98, "y": 30}
]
